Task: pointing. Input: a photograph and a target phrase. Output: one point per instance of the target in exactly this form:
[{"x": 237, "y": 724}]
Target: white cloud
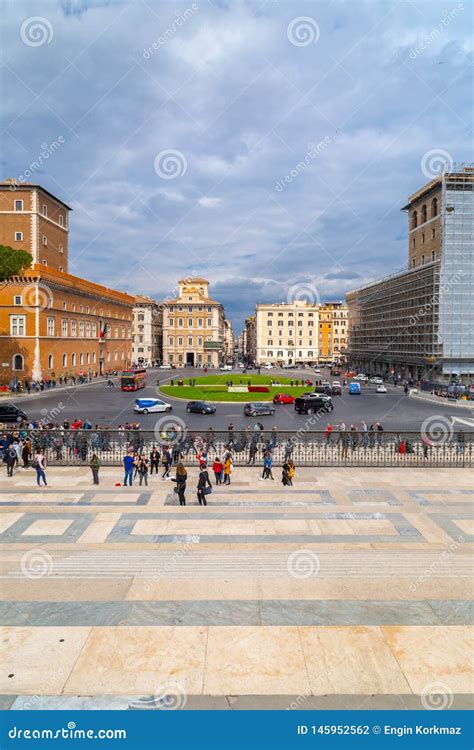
[{"x": 207, "y": 202}]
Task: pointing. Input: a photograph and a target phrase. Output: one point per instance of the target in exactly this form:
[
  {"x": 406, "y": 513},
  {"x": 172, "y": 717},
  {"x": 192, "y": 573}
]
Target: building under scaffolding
[{"x": 419, "y": 323}]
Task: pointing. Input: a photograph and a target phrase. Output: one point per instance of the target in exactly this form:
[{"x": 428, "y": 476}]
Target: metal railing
[{"x": 76, "y": 447}]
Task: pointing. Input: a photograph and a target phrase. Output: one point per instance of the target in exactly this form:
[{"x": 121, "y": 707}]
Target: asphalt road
[{"x": 111, "y": 406}]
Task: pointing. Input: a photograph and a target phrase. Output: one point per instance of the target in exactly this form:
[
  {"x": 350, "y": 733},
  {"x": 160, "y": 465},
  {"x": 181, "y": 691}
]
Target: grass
[{"x": 213, "y": 388}]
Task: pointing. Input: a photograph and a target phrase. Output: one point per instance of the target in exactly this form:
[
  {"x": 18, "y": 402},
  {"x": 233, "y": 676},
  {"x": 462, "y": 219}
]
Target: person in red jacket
[{"x": 218, "y": 468}]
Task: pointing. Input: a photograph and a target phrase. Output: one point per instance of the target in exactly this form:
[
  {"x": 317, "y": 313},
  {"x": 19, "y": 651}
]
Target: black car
[
  {"x": 312, "y": 403},
  {"x": 323, "y": 389},
  {"x": 11, "y": 413},
  {"x": 200, "y": 407},
  {"x": 258, "y": 410},
  {"x": 336, "y": 390}
]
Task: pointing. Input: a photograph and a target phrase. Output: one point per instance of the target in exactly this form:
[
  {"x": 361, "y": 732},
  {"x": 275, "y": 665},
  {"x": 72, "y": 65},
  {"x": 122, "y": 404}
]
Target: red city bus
[{"x": 134, "y": 379}]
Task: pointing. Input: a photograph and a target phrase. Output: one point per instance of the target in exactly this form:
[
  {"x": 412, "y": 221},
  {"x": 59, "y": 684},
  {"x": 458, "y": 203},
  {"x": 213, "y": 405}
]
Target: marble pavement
[{"x": 352, "y": 589}]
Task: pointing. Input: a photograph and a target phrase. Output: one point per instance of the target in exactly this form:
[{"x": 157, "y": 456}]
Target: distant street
[{"x": 111, "y": 406}]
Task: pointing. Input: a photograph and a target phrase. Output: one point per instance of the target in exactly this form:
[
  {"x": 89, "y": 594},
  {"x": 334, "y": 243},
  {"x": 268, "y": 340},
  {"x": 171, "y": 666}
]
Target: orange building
[
  {"x": 333, "y": 325},
  {"x": 53, "y": 323}
]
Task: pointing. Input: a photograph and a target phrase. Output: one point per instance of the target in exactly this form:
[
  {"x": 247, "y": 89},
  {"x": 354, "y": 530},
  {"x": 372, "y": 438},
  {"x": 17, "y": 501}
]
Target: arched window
[
  {"x": 18, "y": 362},
  {"x": 414, "y": 220},
  {"x": 434, "y": 207},
  {"x": 73, "y": 359},
  {"x": 423, "y": 213},
  {"x": 50, "y": 361},
  {"x": 64, "y": 360}
]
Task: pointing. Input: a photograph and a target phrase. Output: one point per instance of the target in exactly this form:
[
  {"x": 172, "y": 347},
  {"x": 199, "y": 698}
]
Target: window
[
  {"x": 200, "y": 322},
  {"x": 18, "y": 236},
  {"x": 81, "y": 328},
  {"x": 269, "y": 353},
  {"x": 171, "y": 341},
  {"x": 45, "y": 262},
  {"x": 423, "y": 213},
  {"x": 45, "y": 209},
  {"x": 180, "y": 321},
  {"x": 434, "y": 207},
  {"x": 88, "y": 358},
  {"x": 209, "y": 309},
  {"x": 423, "y": 238},
  {"x": 413, "y": 262},
  {"x": 45, "y": 241},
  {"x": 61, "y": 249},
  {"x": 200, "y": 341},
  {"x": 64, "y": 327},
  {"x": 209, "y": 321},
  {"x": 81, "y": 358},
  {"x": 64, "y": 360},
  {"x": 73, "y": 359},
  {"x": 61, "y": 268},
  {"x": 73, "y": 328},
  {"x": 93, "y": 357},
  {"x": 17, "y": 325},
  {"x": 190, "y": 340},
  {"x": 413, "y": 243},
  {"x": 94, "y": 330},
  {"x": 180, "y": 341},
  {"x": 87, "y": 309},
  {"x": 190, "y": 322},
  {"x": 422, "y": 260},
  {"x": 414, "y": 220},
  {"x": 18, "y": 205},
  {"x": 17, "y": 363},
  {"x": 61, "y": 220},
  {"x": 50, "y": 361},
  {"x": 17, "y": 299},
  {"x": 50, "y": 326},
  {"x": 88, "y": 328},
  {"x": 433, "y": 255},
  {"x": 116, "y": 332}
]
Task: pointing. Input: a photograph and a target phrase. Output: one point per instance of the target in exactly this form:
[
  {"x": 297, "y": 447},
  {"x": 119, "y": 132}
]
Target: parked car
[
  {"x": 361, "y": 377},
  {"x": 354, "y": 389},
  {"x": 11, "y": 413},
  {"x": 225, "y": 367},
  {"x": 258, "y": 409},
  {"x": 327, "y": 389},
  {"x": 317, "y": 370},
  {"x": 312, "y": 403},
  {"x": 283, "y": 398},
  {"x": 145, "y": 405},
  {"x": 200, "y": 407},
  {"x": 336, "y": 389},
  {"x": 268, "y": 366},
  {"x": 289, "y": 367},
  {"x": 376, "y": 381},
  {"x": 381, "y": 389},
  {"x": 166, "y": 367}
]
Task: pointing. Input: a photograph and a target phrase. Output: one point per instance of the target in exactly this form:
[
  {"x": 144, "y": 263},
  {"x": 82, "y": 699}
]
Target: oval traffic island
[{"x": 236, "y": 388}]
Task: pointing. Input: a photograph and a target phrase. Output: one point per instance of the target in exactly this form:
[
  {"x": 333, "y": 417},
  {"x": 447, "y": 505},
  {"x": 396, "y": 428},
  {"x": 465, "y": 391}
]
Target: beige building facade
[
  {"x": 193, "y": 327},
  {"x": 287, "y": 333},
  {"x": 147, "y": 331}
]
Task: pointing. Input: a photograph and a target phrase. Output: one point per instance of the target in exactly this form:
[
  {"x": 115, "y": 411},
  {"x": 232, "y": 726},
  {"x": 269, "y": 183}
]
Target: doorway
[{"x": 189, "y": 359}]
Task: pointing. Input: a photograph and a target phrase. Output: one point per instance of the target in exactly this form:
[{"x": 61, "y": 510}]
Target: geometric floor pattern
[{"x": 352, "y": 589}]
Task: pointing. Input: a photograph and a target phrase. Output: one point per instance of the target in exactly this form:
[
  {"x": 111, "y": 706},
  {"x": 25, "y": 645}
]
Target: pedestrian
[
  {"x": 285, "y": 475},
  {"x": 10, "y": 460},
  {"x": 180, "y": 479},
  {"x": 218, "y": 468},
  {"x": 345, "y": 440},
  {"x": 328, "y": 433},
  {"x": 40, "y": 466},
  {"x": 291, "y": 471},
  {"x": 426, "y": 445},
  {"x": 166, "y": 462},
  {"x": 289, "y": 445},
  {"x": 154, "y": 460},
  {"x": 95, "y": 466},
  {"x": 26, "y": 452},
  {"x": 143, "y": 469},
  {"x": 227, "y": 468},
  {"x": 136, "y": 463},
  {"x": 252, "y": 451},
  {"x": 267, "y": 466},
  {"x": 461, "y": 442},
  {"x": 204, "y": 486},
  {"x": 128, "y": 463},
  {"x": 364, "y": 430}
]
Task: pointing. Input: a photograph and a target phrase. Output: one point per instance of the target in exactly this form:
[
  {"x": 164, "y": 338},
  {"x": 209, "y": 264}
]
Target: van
[
  {"x": 312, "y": 403},
  {"x": 354, "y": 389},
  {"x": 11, "y": 413},
  {"x": 145, "y": 405}
]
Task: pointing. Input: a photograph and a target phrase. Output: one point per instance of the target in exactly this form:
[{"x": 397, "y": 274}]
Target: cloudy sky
[{"x": 268, "y": 146}]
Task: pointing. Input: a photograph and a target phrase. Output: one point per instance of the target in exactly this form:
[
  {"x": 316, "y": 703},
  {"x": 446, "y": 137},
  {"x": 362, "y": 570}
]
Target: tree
[{"x": 13, "y": 261}]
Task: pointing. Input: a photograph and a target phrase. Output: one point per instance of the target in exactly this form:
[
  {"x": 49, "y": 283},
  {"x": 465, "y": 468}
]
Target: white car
[
  {"x": 165, "y": 367},
  {"x": 381, "y": 389},
  {"x": 146, "y": 405},
  {"x": 317, "y": 371},
  {"x": 241, "y": 365},
  {"x": 268, "y": 366},
  {"x": 376, "y": 381},
  {"x": 225, "y": 367},
  {"x": 361, "y": 377}
]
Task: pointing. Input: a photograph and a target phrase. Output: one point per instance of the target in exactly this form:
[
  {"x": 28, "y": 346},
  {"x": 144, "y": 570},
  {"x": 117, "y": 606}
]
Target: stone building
[{"x": 147, "y": 331}]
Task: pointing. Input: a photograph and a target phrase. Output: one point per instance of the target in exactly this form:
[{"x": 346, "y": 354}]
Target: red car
[{"x": 283, "y": 398}]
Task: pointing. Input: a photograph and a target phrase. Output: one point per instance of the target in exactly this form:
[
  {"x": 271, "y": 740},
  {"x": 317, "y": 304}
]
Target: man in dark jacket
[{"x": 203, "y": 482}]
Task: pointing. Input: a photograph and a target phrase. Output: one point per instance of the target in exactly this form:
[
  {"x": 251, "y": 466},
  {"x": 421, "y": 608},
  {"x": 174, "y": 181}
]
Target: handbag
[{"x": 207, "y": 490}]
